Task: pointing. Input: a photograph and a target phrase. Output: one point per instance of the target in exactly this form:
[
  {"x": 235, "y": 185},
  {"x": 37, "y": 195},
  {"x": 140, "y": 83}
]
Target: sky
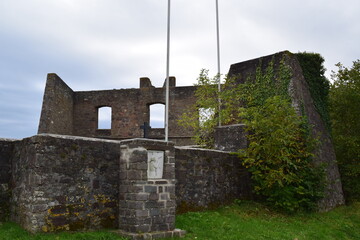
[{"x": 110, "y": 44}]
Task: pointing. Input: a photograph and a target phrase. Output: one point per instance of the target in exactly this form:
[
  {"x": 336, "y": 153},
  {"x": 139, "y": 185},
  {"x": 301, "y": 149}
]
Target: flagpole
[
  {"x": 218, "y": 57},
  {"x": 167, "y": 77}
]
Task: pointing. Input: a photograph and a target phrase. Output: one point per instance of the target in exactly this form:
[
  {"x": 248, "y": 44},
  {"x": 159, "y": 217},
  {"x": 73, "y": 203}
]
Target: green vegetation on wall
[
  {"x": 280, "y": 150},
  {"x": 345, "y": 116},
  {"x": 313, "y": 68}
]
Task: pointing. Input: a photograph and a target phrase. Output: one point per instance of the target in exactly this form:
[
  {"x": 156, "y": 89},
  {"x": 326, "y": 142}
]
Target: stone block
[
  {"x": 151, "y": 204},
  {"x": 164, "y": 196},
  {"x": 142, "y": 213},
  {"x": 134, "y": 175},
  {"x": 154, "y": 196},
  {"x": 154, "y": 212},
  {"x": 151, "y": 189},
  {"x": 143, "y": 228},
  {"x": 135, "y": 204},
  {"x": 137, "y": 196}
]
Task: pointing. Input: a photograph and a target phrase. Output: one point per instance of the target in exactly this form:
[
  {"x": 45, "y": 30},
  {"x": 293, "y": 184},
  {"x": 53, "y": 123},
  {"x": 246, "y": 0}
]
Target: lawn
[
  {"x": 243, "y": 220},
  {"x": 255, "y": 221}
]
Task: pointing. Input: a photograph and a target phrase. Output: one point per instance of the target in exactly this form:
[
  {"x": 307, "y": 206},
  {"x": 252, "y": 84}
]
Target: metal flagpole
[
  {"x": 167, "y": 77},
  {"x": 218, "y": 57}
]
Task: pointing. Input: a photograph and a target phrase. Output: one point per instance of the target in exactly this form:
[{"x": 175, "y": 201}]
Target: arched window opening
[
  {"x": 205, "y": 114},
  {"x": 104, "y": 118},
  {"x": 157, "y": 115}
]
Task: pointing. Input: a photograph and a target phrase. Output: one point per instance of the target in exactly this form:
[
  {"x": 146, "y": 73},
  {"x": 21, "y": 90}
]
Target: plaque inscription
[{"x": 155, "y": 164}]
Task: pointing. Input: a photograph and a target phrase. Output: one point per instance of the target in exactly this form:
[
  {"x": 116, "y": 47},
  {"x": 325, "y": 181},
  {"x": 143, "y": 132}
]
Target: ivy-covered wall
[{"x": 308, "y": 90}]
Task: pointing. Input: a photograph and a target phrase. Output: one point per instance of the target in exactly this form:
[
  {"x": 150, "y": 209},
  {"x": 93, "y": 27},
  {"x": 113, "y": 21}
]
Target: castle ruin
[{"x": 75, "y": 176}]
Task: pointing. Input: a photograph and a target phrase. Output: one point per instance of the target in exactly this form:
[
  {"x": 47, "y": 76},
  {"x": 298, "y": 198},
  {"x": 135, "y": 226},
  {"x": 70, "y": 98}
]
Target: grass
[
  {"x": 254, "y": 221},
  {"x": 244, "y": 220},
  {"x": 11, "y": 231}
]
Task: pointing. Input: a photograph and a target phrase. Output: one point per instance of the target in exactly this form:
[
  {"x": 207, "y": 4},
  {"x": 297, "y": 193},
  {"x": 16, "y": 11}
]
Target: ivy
[
  {"x": 280, "y": 150},
  {"x": 313, "y": 68}
]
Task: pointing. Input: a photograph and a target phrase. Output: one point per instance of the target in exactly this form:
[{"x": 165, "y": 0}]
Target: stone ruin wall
[
  {"x": 65, "y": 182},
  {"x": 76, "y": 113},
  {"x": 57, "y": 109},
  {"x": 75, "y": 183}
]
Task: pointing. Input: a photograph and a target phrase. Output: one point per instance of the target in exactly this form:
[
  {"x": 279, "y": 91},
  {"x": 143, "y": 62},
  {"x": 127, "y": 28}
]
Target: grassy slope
[
  {"x": 239, "y": 221},
  {"x": 253, "y": 221}
]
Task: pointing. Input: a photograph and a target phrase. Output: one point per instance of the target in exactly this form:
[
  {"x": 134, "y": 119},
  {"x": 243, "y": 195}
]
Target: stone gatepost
[{"x": 147, "y": 189}]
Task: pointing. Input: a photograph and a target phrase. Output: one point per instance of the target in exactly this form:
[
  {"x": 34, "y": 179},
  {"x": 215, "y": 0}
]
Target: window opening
[
  {"x": 157, "y": 115},
  {"x": 104, "y": 118}
]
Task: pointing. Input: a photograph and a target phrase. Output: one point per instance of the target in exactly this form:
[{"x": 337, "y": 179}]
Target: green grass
[
  {"x": 254, "y": 221},
  {"x": 239, "y": 221},
  {"x": 11, "y": 231}
]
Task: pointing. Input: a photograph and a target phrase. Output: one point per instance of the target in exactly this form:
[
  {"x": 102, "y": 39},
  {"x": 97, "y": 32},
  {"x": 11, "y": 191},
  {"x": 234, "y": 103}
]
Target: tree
[{"x": 345, "y": 119}]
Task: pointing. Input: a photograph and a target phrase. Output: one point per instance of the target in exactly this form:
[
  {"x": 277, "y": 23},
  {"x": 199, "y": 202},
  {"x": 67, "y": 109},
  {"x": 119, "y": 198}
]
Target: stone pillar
[{"x": 147, "y": 189}]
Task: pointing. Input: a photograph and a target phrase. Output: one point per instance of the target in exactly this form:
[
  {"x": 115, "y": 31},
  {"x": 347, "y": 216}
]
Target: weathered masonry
[
  {"x": 68, "y": 112},
  {"x": 61, "y": 183},
  {"x": 74, "y": 175}
]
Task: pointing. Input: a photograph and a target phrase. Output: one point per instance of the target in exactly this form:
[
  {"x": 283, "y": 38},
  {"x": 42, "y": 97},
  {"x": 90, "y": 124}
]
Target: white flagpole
[
  {"x": 218, "y": 56},
  {"x": 167, "y": 77}
]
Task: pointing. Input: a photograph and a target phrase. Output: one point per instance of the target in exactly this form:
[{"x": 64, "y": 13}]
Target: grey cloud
[{"x": 105, "y": 44}]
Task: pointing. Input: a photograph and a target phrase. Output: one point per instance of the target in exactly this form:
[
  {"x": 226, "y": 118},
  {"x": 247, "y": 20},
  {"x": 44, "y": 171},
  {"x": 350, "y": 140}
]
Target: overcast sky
[{"x": 107, "y": 44}]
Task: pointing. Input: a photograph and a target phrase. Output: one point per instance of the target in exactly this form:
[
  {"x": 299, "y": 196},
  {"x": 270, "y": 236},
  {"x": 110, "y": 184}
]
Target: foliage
[
  {"x": 345, "y": 113},
  {"x": 313, "y": 68},
  {"x": 207, "y": 96},
  {"x": 279, "y": 154},
  {"x": 232, "y": 96}
]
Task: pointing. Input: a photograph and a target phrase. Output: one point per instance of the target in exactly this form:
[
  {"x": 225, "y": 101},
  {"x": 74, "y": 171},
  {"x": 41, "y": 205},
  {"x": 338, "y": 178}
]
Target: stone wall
[
  {"x": 303, "y": 103},
  {"x": 75, "y": 183},
  {"x": 6, "y": 153},
  {"x": 147, "y": 187},
  {"x": 208, "y": 178},
  {"x": 57, "y": 108},
  {"x": 65, "y": 183},
  {"x": 76, "y": 113},
  {"x": 231, "y": 138}
]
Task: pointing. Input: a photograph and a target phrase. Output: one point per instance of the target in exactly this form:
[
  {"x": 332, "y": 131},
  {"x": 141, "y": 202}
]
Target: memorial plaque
[{"x": 155, "y": 164}]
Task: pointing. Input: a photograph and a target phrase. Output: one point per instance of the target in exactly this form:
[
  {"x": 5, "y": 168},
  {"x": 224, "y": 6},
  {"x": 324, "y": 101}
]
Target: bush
[{"x": 279, "y": 156}]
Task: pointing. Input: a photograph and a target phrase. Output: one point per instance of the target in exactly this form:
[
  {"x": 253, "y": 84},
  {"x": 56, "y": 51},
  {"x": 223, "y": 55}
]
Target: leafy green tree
[{"x": 345, "y": 116}]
